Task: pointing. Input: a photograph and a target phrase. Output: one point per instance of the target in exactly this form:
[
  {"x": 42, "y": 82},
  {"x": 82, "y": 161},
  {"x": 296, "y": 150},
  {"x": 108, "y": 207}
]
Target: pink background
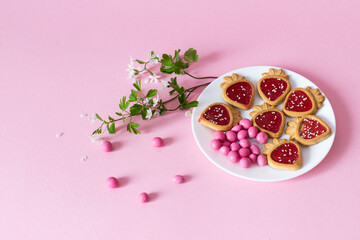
[{"x": 59, "y": 59}]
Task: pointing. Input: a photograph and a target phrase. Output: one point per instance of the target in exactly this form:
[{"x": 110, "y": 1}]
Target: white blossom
[
  {"x": 94, "y": 139},
  {"x": 83, "y": 115},
  {"x": 154, "y": 78},
  {"x": 92, "y": 118},
  {"x": 155, "y": 101},
  {"x": 59, "y": 135},
  {"x": 188, "y": 113},
  {"x": 84, "y": 158},
  {"x": 156, "y": 114},
  {"x": 148, "y": 114},
  {"x": 164, "y": 84},
  {"x": 153, "y": 58}
]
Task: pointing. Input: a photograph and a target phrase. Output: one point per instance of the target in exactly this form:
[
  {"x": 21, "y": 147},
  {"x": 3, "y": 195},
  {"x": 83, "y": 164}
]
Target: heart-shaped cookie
[
  {"x": 283, "y": 154},
  {"x": 238, "y": 91},
  {"x": 308, "y": 130},
  {"x": 268, "y": 119},
  {"x": 273, "y": 86},
  {"x": 219, "y": 116},
  {"x": 300, "y": 102}
]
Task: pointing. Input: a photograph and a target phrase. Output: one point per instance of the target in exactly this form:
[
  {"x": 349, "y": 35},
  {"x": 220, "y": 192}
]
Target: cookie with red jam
[
  {"x": 238, "y": 91},
  {"x": 269, "y": 119},
  {"x": 283, "y": 154},
  {"x": 220, "y": 117},
  {"x": 300, "y": 102},
  {"x": 308, "y": 130},
  {"x": 273, "y": 86}
]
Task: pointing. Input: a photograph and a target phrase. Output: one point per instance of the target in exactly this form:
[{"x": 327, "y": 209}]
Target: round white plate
[{"x": 312, "y": 155}]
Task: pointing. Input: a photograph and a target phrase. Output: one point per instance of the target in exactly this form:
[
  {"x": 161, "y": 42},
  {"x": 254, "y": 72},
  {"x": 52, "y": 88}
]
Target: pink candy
[
  {"x": 219, "y": 135},
  {"x": 106, "y": 146},
  {"x": 226, "y": 143},
  {"x": 253, "y": 132},
  {"x": 233, "y": 157},
  {"x": 245, "y": 123},
  {"x": 231, "y": 136},
  {"x": 253, "y": 158},
  {"x": 261, "y": 160},
  {"x": 157, "y": 142},
  {"x": 245, "y": 162},
  {"x": 262, "y": 138},
  {"x": 242, "y": 134},
  {"x": 144, "y": 197},
  {"x": 244, "y": 152},
  {"x": 216, "y": 144},
  {"x": 179, "y": 179},
  {"x": 112, "y": 182},
  {"x": 235, "y": 146},
  {"x": 244, "y": 143},
  {"x": 236, "y": 128},
  {"x": 224, "y": 150},
  {"x": 255, "y": 149}
]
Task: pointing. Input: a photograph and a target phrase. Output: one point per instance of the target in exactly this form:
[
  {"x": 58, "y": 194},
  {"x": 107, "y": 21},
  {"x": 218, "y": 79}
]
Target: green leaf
[
  {"x": 133, "y": 92},
  {"x": 143, "y": 113},
  {"x": 132, "y": 98},
  {"x": 192, "y": 104},
  {"x": 122, "y": 104},
  {"x": 137, "y": 85},
  {"x": 166, "y": 69},
  {"x": 182, "y": 99},
  {"x": 135, "y": 109},
  {"x": 151, "y": 73},
  {"x": 111, "y": 129},
  {"x": 191, "y": 55},
  {"x": 139, "y": 61},
  {"x": 98, "y": 117},
  {"x": 120, "y": 114},
  {"x": 166, "y": 60},
  {"x": 134, "y": 126},
  {"x": 151, "y": 93},
  {"x": 110, "y": 119}
]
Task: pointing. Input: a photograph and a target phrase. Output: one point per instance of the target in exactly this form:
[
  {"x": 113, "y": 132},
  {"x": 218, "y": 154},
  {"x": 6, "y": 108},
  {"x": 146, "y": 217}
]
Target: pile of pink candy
[{"x": 235, "y": 144}]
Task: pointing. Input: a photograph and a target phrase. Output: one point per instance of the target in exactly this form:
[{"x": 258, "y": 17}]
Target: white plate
[{"x": 312, "y": 155}]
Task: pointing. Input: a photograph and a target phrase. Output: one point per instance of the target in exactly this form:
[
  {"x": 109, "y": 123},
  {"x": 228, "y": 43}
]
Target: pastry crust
[
  {"x": 294, "y": 127},
  {"x": 235, "y": 118},
  {"x": 315, "y": 97},
  {"x": 271, "y": 146},
  {"x": 266, "y": 108},
  {"x": 278, "y": 74},
  {"x": 229, "y": 81}
]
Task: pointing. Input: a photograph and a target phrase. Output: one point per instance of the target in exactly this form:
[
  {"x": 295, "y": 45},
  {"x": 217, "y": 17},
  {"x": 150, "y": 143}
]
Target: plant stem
[{"x": 198, "y": 77}]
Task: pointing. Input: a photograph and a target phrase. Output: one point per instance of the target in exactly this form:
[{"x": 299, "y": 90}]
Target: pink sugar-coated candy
[
  {"x": 255, "y": 149},
  {"x": 231, "y": 136},
  {"x": 253, "y": 132},
  {"x": 244, "y": 152},
  {"x": 233, "y": 157},
  {"x": 219, "y": 135},
  {"x": 253, "y": 158},
  {"x": 144, "y": 197},
  {"x": 224, "y": 150},
  {"x": 262, "y": 138},
  {"x": 112, "y": 182},
  {"x": 226, "y": 143},
  {"x": 235, "y": 146},
  {"x": 236, "y": 128},
  {"x": 261, "y": 160},
  {"x": 179, "y": 179},
  {"x": 242, "y": 134},
  {"x": 245, "y": 123},
  {"x": 157, "y": 142},
  {"x": 245, "y": 162},
  {"x": 106, "y": 146},
  {"x": 215, "y": 144},
  {"x": 244, "y": 143}
]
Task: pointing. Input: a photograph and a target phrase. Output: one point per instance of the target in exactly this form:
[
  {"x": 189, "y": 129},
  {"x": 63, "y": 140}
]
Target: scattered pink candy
[
  {"x": 233, "y": 157},
  {"x": 179, "y": 179},
  {"x": 215, "y": 144},
  {"x": 236, "y": 128},
  {"x": 245, "y": 162},
  {"x": 253, "y": 158},
  {"x": 219, "y": 135},
  {"x": 224, "y": 150},
  {"x": 234, "y": 146},
  {"x": 157, "y": 142},
  {"x": 261, "y": 160},
  {"x": 144, "y": 197},
  {"x": 112, "y": 182},
  {"x": 262, "y": 138},
  {"x": 255, "y": 149},
  {"x": 253, "y": 132},
  {"x": 245, "y": 123},
  {"x": 106, "y": 146},
  {"x": 242, "y": 134},
  {"x": 244, "y": 152},
  {"x": 244, "y": 143},
  {"x": 231, "y": 136},
  {"x": 226, "y": 143}
]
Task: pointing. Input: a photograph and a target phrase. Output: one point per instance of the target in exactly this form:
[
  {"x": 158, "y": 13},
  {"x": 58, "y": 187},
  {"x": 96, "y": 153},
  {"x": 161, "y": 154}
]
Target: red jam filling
[
  {"x": 217, "y": 114},
  {"x": 273, "y": 88},
  {"x": 240, "y": 92},
  {"x": 298, "y": 101},
  {"x": 311, "y": 128},
  {"x": 270, "y": 121},
  {"x": 286, "y": 153}
]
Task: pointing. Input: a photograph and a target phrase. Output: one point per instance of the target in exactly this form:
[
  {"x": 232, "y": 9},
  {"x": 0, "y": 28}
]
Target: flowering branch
[{"x": 149, "y": 105}]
